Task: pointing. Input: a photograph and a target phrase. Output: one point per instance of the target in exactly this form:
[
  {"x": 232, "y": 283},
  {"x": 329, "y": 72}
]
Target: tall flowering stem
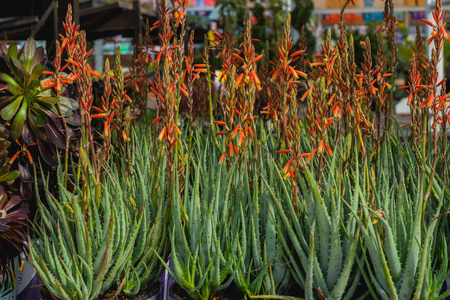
[
  {"x": 295, "y": 150},
  {"x": 76, "y": 48},
  {"x": 206, "y": 68},
  {"x": 56, "y": 82},
  {"x": 179, "y": 16},
  {"x": 239, "y": 67},
  {"x": 367, "y": 89},
  {"x": 390, "y": 29},
  {"x": 382, "y": 94},
  {"x": 264, "y": 96},
  {"x": 168, "y": 87},
  {"x": 77, "y": 61},
  {"x": 367, "y": 80},
  {"x": 414, "y": 100},
  {"x": 139, "y": 69},
  {"x": 107, "y": 111},
  {"x": 122, "y": 111},
  {"x": 419, "y": 73},
  {"x": 436, "y": 101},
  {"x": 250, "y": 83},
  {"x": 228, "y": 96},
  {"x": 188, "y": 79},
  {"x": 285, "y": 77},
  {"x": 346, "y": 72},
  {"x": 122, "y": 115},
  {"x": 321, "y": 106}
]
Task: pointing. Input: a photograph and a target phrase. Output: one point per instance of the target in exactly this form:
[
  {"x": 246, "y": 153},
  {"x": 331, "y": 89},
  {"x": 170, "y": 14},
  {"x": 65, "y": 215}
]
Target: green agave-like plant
[
  {"x": 399, "y": 228},
  {"x": 201, "y": 244},
  {"x": 261, "y": 261},
  {"x": 321, "y": 241},
  {"x": 144, "y": 189},
  {"x": 83, "y": 247}
]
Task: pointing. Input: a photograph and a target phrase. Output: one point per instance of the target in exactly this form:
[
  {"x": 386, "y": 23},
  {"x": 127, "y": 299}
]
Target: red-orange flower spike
[
  {"x": 106, "y": 128},
  {"x": 99, "y": 115},
  {"x": 297, "y": 53},
  {"x": 320, "y": 149},
  {"x": 96, "y": 74},
  {"x": 222, "y": 157},
  {"x": 161, "y": 134},
  {"x": 287, "y": 166},
  {"x": 283, "y": 151},
  {"x": 125, "y": 136},
  {"x": 257, "y": 58},
  {"x": 230, "y": 148},
  {"x": 156, "y": 120},
  {"x": 428, "y": 22},
  {"x": 235, "y": 131},
  {"x": 69, "y": 60}
]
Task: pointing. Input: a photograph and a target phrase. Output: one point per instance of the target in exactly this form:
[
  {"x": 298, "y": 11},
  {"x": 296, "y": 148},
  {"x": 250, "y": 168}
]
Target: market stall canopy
[{"x": 42, "y": 19}]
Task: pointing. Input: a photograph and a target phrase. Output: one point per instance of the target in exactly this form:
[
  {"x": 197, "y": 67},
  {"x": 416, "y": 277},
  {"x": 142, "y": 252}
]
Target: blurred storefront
[{"x": 409, "y": 13}]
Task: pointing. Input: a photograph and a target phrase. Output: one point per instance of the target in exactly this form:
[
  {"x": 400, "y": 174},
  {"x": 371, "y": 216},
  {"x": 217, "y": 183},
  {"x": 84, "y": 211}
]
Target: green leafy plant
[
  {"x": 91, "y": 241},
  {"x": 201, "y": 247},
  {"x": 261, "y": 261},
  {"x": 399, "y": 229},
  {"x": 329, "y": 202},
  {"x": 27, "y": 107},
  {"x": 322, "y": 241},
  {"x": 142, "y": 189},
  {"x": 32, "y": 112}
]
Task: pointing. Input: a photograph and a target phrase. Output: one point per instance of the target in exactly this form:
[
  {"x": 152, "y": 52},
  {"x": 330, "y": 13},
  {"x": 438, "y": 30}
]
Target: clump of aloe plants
[
  {"x": 100, "y": 232},
  {"x": 333, "y": 202}
]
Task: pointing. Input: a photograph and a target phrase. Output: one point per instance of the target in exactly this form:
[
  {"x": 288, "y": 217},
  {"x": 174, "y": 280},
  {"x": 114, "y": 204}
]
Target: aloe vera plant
[
  {"x": 321, "y": 241},
  {"x": 339, "y": 206},
  {"x": 83, "y": 247},
  {"x": 399, "y": 228},
  {"x": 200, "y": 246},
  {"x": 261, "y": 261},
  {"x": 143, "y": 190}
]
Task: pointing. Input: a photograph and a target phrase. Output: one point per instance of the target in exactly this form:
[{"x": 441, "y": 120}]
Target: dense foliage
[{"x": 291, "y": 177}]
